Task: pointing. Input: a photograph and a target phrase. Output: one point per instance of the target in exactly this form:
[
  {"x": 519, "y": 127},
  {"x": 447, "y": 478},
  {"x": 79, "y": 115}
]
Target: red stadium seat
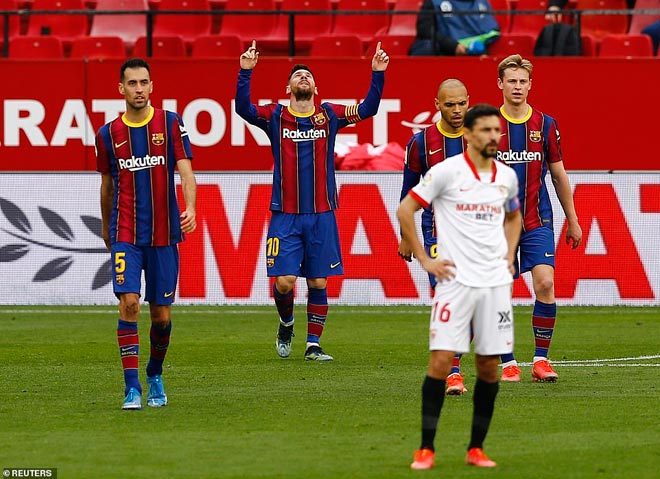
[
  {"x": 635, "y": 45},
  {"x": 98, "y": 47},
  {"x": 394, "y": 45},
  {"x": 36, "y": 47},
  {"x": 337, "y": 46},
  {"x": 504, "y": 20},
  {"x": 589, "y": 46},
  {"x": 171, "y": 46},
  {"x": 638, "y": 21},
  {"x": 249, "y": 27},
  {"x": 365, "y": 26},
  {"x": 530, "y": 24},
  {"x": 127, "y": 27},
  {"x": 307, "y": 27},
  {"x": 65, "y": 27},
  {"x": 511, "y": 43},
  {"x": 600, "y": 25},
  {"x": 405, "y": 24},
  {"x": 217, "y": 46},
  {"x": 185, "y": 26}
]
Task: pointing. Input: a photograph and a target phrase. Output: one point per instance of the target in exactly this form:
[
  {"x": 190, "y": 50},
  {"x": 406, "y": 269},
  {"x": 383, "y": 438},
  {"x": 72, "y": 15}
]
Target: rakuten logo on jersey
[
  {"x": 510, "y": 157},
  {"x": 298, "y": 136},
  {"x": 140, "y": 163}
]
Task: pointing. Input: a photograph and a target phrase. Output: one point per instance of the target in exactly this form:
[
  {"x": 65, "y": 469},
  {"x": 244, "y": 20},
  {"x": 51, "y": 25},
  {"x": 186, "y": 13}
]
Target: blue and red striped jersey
[
  {"x": 528, "y": 145},
  {"x": 141, "y": 158},
  {"x": 425, "y": 149},
  {"x": 303, "y": 146}
]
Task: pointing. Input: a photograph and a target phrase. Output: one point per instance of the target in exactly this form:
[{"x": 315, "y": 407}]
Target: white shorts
[{"x": 458, "y": 308}]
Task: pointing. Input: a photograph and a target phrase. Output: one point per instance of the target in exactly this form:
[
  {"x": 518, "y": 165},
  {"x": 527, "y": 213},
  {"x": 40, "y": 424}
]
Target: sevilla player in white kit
[{"x": 475, "y": 199}]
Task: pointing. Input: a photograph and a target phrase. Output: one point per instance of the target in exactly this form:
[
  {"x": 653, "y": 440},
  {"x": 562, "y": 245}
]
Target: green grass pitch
[{"x": 237, "y": 410}]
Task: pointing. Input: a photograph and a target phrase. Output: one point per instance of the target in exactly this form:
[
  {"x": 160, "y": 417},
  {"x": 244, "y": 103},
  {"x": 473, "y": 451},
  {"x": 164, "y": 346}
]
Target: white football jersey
[{"x": 469, "y": 208}]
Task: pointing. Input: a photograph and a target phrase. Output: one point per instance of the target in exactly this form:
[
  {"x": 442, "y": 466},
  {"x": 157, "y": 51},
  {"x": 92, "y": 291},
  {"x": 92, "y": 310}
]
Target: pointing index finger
[{"x": 378, "y": 47}]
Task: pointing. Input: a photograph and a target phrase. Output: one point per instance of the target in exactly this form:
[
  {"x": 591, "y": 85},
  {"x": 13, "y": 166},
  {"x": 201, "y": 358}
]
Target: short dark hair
[
  {"x": 133, "y": 63},
  {"x": 299, "y": 66},
  {"x": 477, "y": 111}
]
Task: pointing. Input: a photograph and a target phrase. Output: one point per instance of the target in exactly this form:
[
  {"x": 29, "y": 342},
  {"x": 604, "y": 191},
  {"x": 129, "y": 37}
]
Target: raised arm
[
  {"x": 379, "y": 63},
  {"x": 244, "y": 107}
]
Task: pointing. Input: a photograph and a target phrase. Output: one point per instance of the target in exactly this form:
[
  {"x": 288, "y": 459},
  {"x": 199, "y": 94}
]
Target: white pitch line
[
  {"x": 654, "y": 356},
  {"x": 618, "y": 362}
]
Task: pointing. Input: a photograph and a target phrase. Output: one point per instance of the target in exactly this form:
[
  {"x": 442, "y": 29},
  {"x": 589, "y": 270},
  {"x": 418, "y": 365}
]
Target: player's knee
[
  {"x": 130, "y": 308},
  {"x": 487, "y": 368},
  {"x": 440, "y": 364},
  {"x": 160, "y": 323},
  {"x": 284, "y": 284},
  {"x": 545, "y": 286}
]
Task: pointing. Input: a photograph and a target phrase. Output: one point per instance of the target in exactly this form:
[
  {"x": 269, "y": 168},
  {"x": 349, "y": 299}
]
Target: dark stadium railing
[{"x": 292, "y": 14}]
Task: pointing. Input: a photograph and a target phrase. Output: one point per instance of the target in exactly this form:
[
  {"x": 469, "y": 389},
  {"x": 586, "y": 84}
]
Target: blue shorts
[
  {"x": 536, "y": 247},
  {"x": 304, "y": 245},
  {"x": 161, "y": 270}
]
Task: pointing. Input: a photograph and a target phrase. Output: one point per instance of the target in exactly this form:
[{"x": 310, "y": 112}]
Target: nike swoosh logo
[
  {"x": 167, "y": 295},
  {"x": 119, "y": 145},
  {"x": 433, "y": 152},
  {"x": 465, "y": 189},
  {"x": 548, "y": 255},
  {"x": 333, "y": 266},
  {"x": 502, "y": 134}
]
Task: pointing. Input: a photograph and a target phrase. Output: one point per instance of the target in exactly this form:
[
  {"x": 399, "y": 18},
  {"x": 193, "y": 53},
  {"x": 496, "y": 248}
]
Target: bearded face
[{"x": 302, "y": 85}]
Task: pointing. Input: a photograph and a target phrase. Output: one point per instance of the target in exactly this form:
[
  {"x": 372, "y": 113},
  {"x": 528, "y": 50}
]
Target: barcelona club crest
[
  {"x": 120, "y": 279},
  {"x": 319, "y": 119},
  {"x": 535, "y": 136},
  {"x": 157, "y": 138}
]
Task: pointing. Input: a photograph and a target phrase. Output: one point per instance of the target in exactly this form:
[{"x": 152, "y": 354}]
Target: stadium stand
[
  {"x": 600, "y": 25},
  {"x": 337, "y": 46},
  {"x": 98, "y": 47},
  {"x": 404, "y": 24},
  {"x": 187, "y": 27},
  {"x": 249, "y": 27},
  {"x": 365, "y": 26},
  {"x": 504, "y": 20},
  {"x": 394, "y": 45},
  {"x": 63, "y": 26},
  {"x": 639, "y": 21},
  {"x": 510, "y": 43},
  {"x": 217, "y": 46},
  {"x": 169, "y": 46},
  {"x": 589, "y": 46},
  {"x": 626, "y": 45},
  {"x": 36, "y": 47},
  {"x": 529, "y": 24},
  {"x": 127, "y": 27},
  {"x": 307, "y": 27}
]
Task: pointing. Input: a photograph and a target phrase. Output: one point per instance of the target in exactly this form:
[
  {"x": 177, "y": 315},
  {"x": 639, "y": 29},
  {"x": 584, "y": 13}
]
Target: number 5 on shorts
[{"x": 120, "y": 262}]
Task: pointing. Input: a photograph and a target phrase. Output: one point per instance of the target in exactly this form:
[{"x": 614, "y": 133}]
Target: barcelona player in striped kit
[
  {"x": 426, "y": 148},
  {"x": 530, "y": 145},
  {"x": 303, "y": 239},
  {"x": 137, "y": 154}
]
